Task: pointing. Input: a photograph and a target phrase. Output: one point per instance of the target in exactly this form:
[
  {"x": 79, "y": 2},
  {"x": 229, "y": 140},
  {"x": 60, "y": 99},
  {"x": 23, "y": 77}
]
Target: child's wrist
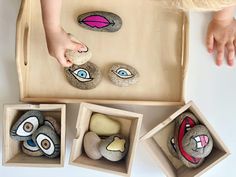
[{"x": 223, "y": 21}]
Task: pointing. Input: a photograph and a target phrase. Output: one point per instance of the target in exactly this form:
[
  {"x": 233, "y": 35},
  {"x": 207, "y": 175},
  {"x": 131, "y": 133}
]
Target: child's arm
[
  {"x": 221, "y": 35},
  {"x": 57, "y": 39}
]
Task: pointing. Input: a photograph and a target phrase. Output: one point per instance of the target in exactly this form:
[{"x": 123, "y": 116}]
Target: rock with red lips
[
  {"x": 198, "y": 142},
  {"x": 100, "y": 21},
  {"x": 184, "y": 123},
  {"x": 84, "y": 77}
]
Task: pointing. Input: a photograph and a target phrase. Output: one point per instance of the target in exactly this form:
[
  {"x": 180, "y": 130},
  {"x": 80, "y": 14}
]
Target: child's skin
[{"x": 221, "y": 35}]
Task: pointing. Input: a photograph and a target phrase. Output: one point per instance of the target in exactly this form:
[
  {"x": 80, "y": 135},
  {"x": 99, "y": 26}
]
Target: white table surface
[{"x": 210, "y": 87}]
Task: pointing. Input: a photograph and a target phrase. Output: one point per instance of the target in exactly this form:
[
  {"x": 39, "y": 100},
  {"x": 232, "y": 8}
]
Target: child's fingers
[
  {"x": 220, "y": 53},
  {"x": 210, "y": 42},
  {"x": 231, "y": 53},
  {"x": 63, "y": 60},
  {"x": 80, "y": 47}
]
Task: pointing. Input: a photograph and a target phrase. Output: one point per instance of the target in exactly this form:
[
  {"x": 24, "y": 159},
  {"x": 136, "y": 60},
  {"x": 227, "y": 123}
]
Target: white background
[{"x": 212, "y": 89}]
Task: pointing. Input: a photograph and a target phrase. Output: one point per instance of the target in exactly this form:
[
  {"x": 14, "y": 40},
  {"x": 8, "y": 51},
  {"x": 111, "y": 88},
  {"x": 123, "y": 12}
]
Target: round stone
[
  {"x": 51, "y": 122},
  {"x": 91, "y": 145},
  {"x": 85, "y": 77},
  {"x": 172, "y": 146},
  {"x": 198, "y": 142},
  {"x": 48, "y": 141},
  {"x": 26, "y": 125},
  {"x": 184, "y": 123},
  {"x": 79, "y": 57},
  {"x": 123, "y": 75},
  {"x": 100, "y": 21},
  {"x": 31, "y": 149},
  {"x": 103, "y": 125},
  {"x": 114, "y": 148}
]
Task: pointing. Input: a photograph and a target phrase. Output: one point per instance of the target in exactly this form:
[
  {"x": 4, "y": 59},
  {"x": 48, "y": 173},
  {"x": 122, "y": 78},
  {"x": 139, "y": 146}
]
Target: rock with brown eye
[
  {"x": 198, "y": 142},
  {"x": 123, "y": 75},
  {"x": 84, "y": 77},
  {"x": 48, "y": 141},
  {"x": 26, "y": 125}
]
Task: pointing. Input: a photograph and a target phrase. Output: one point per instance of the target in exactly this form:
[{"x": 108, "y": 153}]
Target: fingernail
[
  {"x": 231, "y": 62},
  {"x": 210, "y": 50},
  {"x": 218, "y": 63}
]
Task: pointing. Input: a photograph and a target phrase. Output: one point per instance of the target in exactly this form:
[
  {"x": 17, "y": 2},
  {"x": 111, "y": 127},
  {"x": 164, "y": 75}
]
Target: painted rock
[
  {"x": 103, "y": 125},
  {"x": 100, "y": 21},
  {"x": 51, "y": 122},
  {"x": 184, "y": 123},
  {"x": 123, "y": 75},
  {"x": 91, "y": 145},
  {"x": 114, "y": 148},
  {"x": 26, "y": 125},
  {"x": 172, "y": 146},
  {"x": 30, "y": 148},
  {"x": 85, "y": 77},
  {"x": 79, "y": 57},
  {"x": 48, "y": 141},
  {"x": 198, "y": 142}
]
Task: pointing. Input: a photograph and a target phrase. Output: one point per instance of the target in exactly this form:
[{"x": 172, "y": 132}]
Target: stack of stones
[
  {"x": 39, "y": 135},
  {"x": 191, "y": 142},
  {"x": 104, "y": 139}
]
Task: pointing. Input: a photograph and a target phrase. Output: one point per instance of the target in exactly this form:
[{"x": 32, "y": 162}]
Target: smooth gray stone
[
  {"x": 114, "y": 148},
  {"x": 198, "y": 142},
  {"x": 100, "y": 21},
  {"x": 84, "y": 77},
  {"x": 123, "y": 75},
  {"x": 184, "y": 123},
  {"x": 91, "y": 145},
  {"x": 48, "y": 141},
  {"x": 31, "y": 149},
  {"x": 26, "y": 125},
  {"x": 51, "y": 122}
]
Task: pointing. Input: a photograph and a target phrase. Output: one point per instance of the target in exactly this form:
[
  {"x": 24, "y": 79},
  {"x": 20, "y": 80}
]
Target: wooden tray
[{"x": 152, "y": 39}]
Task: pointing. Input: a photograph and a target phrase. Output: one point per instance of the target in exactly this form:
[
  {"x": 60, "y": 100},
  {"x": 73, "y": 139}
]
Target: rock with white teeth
[
  {"x": 198, "y": 142},
  {"x": 184, "y": 123}
]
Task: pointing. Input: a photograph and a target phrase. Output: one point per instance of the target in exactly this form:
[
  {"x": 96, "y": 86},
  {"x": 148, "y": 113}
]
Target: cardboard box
[
  {"x": 156, "y": 142},
  {"x": 130, "y": 128},
  {"x": 12, "y": 153}
]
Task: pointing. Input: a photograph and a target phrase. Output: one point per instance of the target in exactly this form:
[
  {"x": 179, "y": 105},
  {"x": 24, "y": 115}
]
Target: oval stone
[
  {"x": 26, "y": 125},
  {"x": 198, "y": 142},
  {"x": 79, "y": 57},
  {"x": 84, "y": 77},
  {"x": 91, "y": 145},
  {"x": 123, "y": 75},
  {"x": 114, "y": 148},
  {"x": 184, "y": 123},
  {"x": 100, "y": 21},
  {"x": 48, "y": 141},
  {"x": 103, "y": 125},
  {"x": 51, "y": 122},
  {"x": 31, "y": 149}
]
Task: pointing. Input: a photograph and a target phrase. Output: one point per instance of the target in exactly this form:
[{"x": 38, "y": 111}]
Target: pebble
[
  {"x": 91, "y": 144},
  {"x": 114, "y": 148},
  {"x": 84, "y": 77},
  {"x": 123, "y": 75},
  {"x": 100, "y": 21},
  {"x": 51, "y": 122},
  {"x": 103, "y": 125},
  {"x": 31, "y": 149},
  {"x": 48, "y": 141},
  {"x": 198, "y": 142},
  {"x": 26, "y": 125}
]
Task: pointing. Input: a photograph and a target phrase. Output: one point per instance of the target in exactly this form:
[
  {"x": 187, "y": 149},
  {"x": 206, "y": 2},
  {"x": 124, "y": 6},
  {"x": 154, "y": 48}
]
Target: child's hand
[
  {"x": 58, "y": 41},
  {"x": 221, "y": 36}
]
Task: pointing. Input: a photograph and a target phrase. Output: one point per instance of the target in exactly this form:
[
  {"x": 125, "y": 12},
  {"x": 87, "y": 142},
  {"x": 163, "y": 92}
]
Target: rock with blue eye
[
  {"x": 26, "y": 125},
  {"x": 123, "y": 75},
  {"x": 31, "y": 149},
  {"x": 84, "y": 77},
  {"x": 48, "y": 141}
]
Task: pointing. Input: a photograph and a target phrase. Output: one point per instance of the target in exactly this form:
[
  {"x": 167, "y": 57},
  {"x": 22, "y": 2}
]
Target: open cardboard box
[
  {"x": 156, "y": 142},
  {"x": 130, "y": 128},
  {"x": 12, "y": 153}
]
